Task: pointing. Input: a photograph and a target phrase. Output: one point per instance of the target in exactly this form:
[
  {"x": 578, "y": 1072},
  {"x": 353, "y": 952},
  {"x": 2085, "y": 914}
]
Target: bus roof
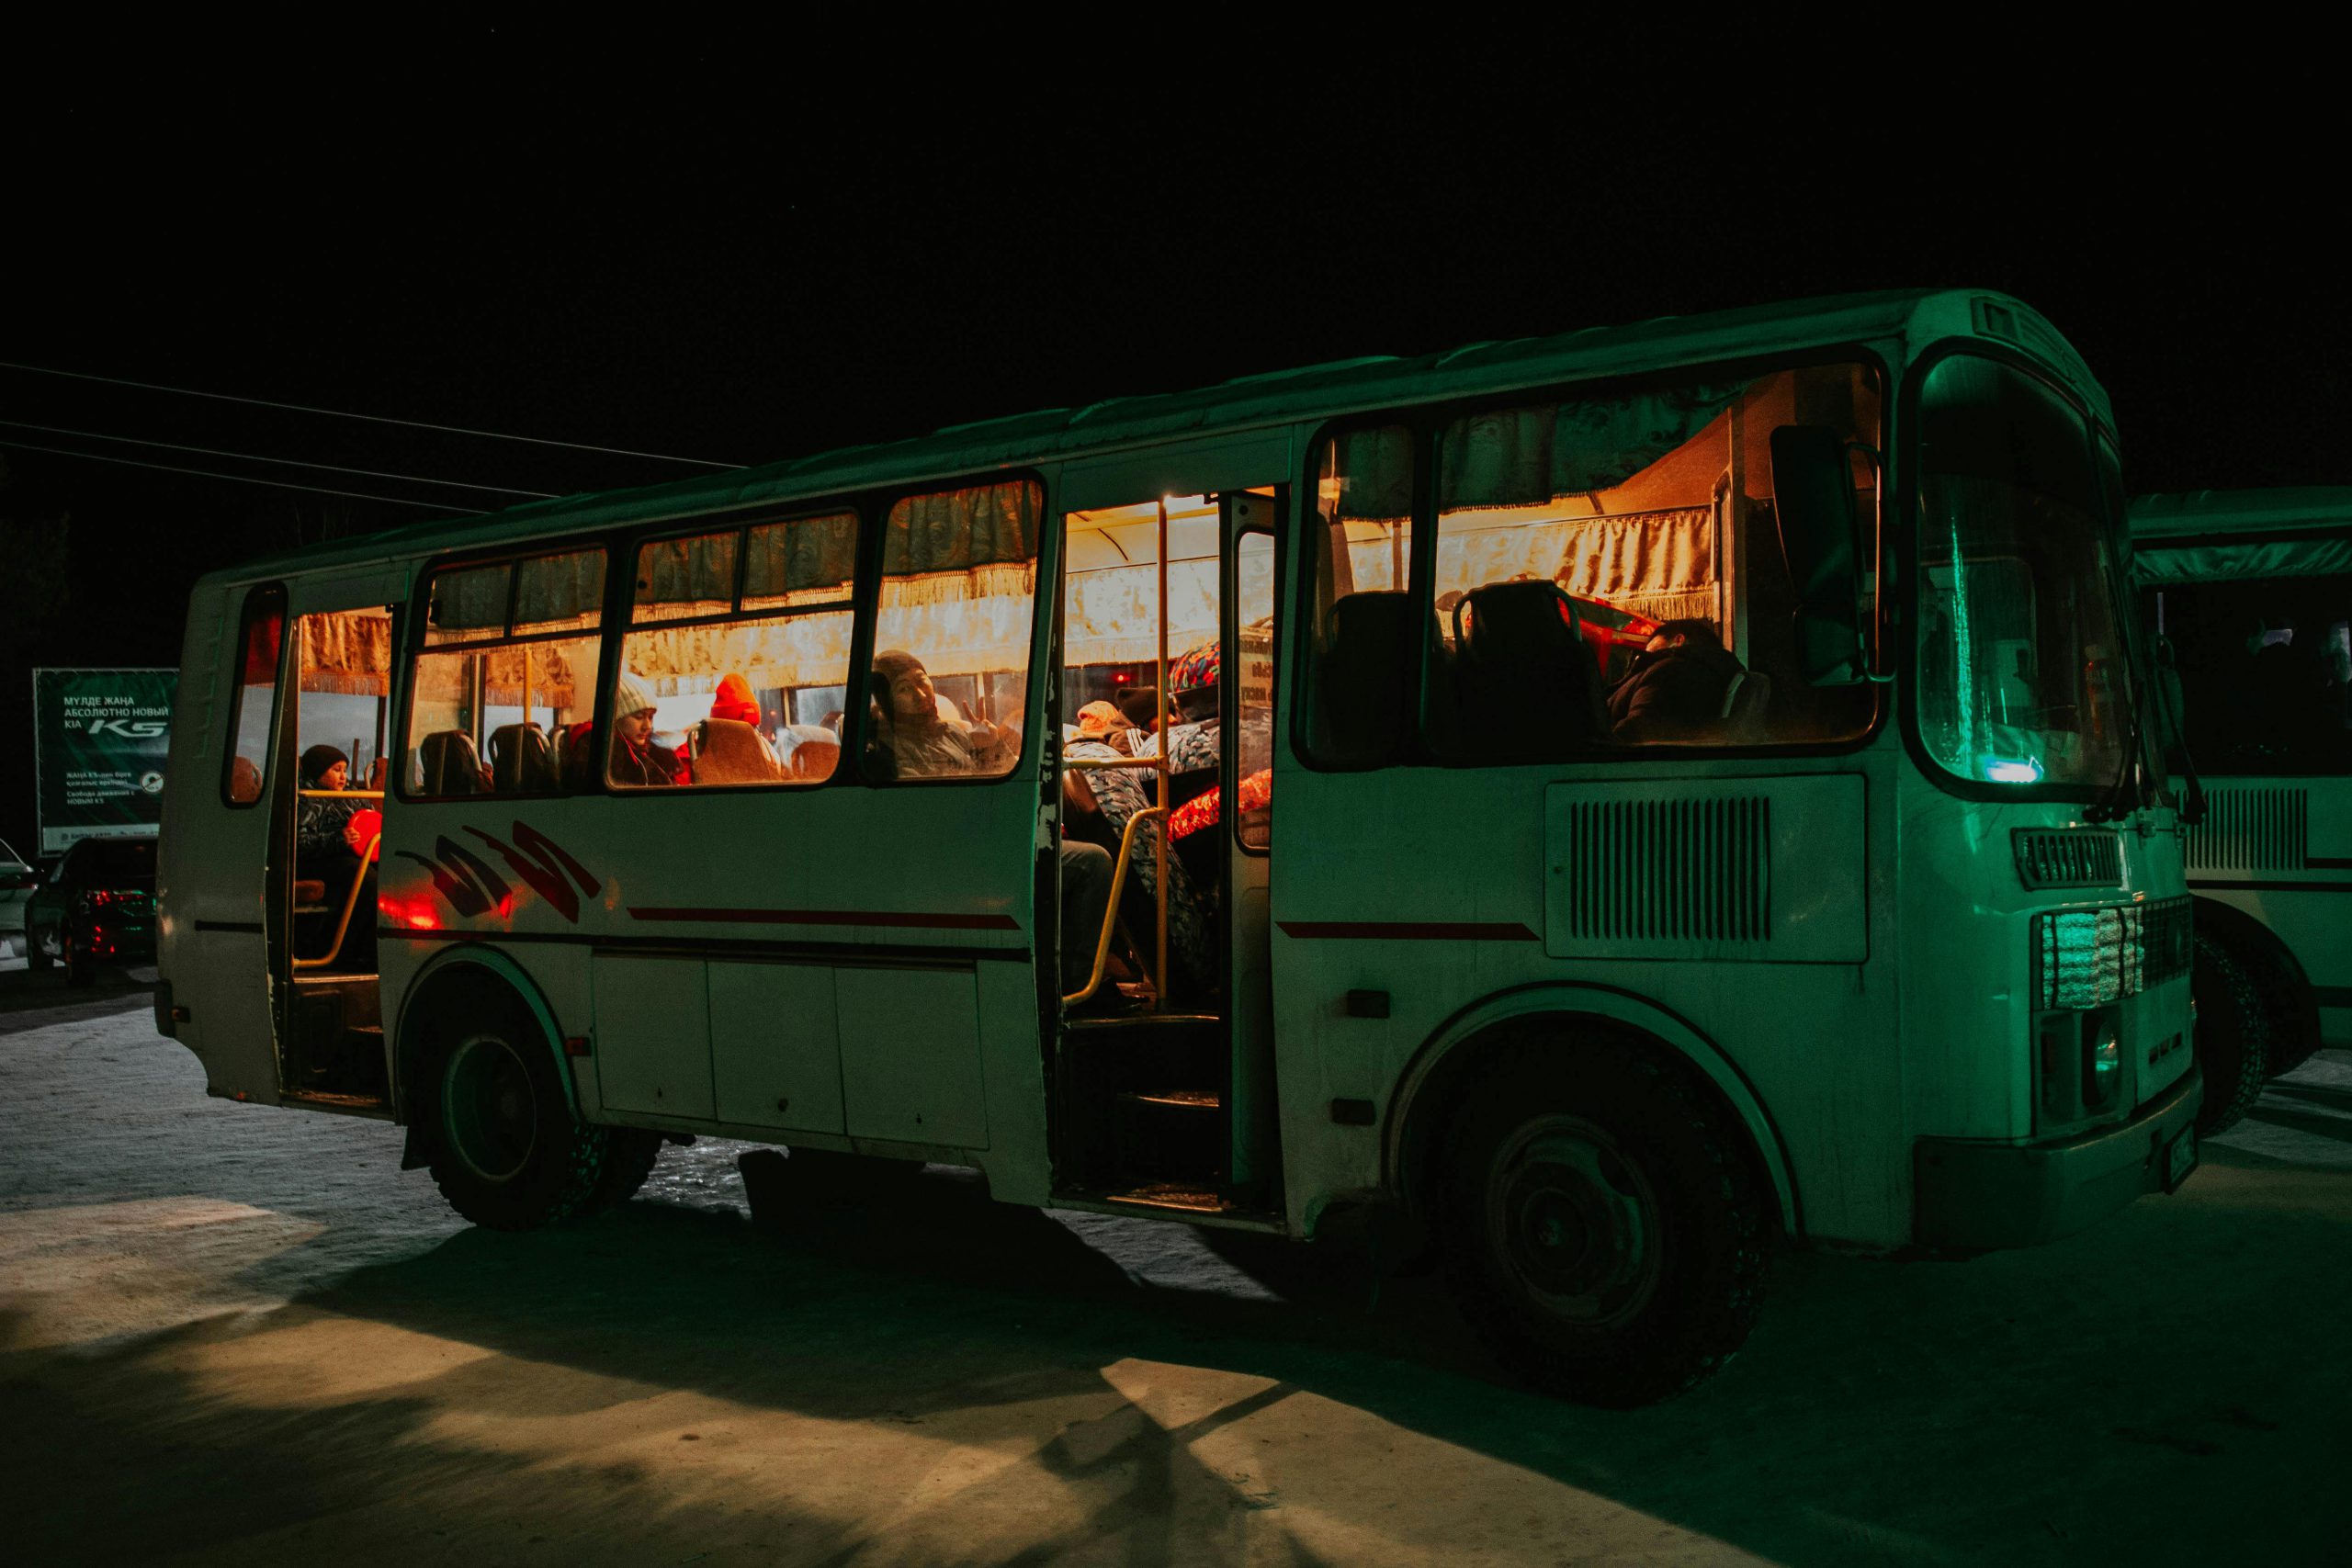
[
  {"x": 1316, "y": 391},
  {"x": 2206, "y": 514},
  {"x": 2209, "y": 535}
]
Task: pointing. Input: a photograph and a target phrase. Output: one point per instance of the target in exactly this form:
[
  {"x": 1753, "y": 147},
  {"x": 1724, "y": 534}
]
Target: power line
[
  {"x": 256, "y": 458},
  {"x": 372, "y": 418},
  {"x": 208, "y": 474}
]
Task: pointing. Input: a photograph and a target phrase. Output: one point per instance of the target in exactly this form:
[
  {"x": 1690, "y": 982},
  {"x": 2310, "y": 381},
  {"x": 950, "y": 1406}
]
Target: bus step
[
  {"x": 1170, "y": 1134},
  {"x": 1180, "y": 1195}
]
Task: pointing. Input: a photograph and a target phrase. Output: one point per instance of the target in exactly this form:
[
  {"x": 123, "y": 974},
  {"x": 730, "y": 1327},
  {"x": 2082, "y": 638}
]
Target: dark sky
[{"x": 688, "y": 249}]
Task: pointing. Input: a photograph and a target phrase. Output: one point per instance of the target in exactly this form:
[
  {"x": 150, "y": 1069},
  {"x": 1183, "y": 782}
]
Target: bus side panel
[
  {"x": 823, "y": 965},
  {"x": 209, "y": 872},
  {"x": 1450, "y": 909},
  {"x": 2279, "y": 850}
]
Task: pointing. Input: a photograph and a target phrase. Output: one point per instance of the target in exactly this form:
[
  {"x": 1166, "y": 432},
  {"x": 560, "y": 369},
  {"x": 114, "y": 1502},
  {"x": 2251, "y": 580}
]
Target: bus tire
[
  {"x": 510, "y": 1154},
  {"x": 1604, "y": 1224},
  {"x": 628, "y": 1163},
  {"x": 2289, "y": 1007},
  {"x": 2232, "y": 1035}
]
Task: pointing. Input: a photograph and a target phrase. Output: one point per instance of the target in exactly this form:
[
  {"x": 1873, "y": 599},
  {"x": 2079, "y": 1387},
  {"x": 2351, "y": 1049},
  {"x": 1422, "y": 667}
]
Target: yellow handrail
[
  {"x": 1111, "y": 909},
  {"x": 340, "y": 793},
  {"x": 350, "y": 902}
]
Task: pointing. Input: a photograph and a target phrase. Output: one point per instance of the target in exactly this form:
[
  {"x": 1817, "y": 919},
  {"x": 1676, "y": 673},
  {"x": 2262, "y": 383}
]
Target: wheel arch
[
  {"x": 2233, "y": 928},
  {"x": 448, "y": 975},
  {"x": 1424, "y": 1095}
]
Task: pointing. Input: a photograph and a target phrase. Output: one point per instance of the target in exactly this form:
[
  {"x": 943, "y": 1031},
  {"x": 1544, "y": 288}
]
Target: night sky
[{"x": 692, "y": 250}]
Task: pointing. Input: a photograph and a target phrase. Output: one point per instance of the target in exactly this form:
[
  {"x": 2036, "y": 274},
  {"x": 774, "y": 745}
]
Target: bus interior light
[{"x": 2013, "y": 770}]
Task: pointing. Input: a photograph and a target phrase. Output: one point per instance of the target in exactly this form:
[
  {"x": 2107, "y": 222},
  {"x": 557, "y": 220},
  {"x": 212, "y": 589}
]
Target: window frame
[
  {"x": 416, "y": 649},
  {"x": 256, "y": 594},
  {"x": 1428, "y": 423},
  {"x": 857, "y": 719},
  {"x": 624, "y": 590}
]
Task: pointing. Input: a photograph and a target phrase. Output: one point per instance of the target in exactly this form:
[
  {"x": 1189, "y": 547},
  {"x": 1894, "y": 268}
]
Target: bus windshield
[{"x": 2022, "y": 669}]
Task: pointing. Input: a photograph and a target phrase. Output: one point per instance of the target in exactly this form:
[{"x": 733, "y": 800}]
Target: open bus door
[
  {"x": 319, "y": 907},
  {"x": 1166, "y": 1097}
]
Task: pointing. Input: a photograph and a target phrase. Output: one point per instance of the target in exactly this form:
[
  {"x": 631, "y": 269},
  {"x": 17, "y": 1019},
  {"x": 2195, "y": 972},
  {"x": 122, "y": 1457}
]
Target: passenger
[
  {"x": 919, "y": 740},
  {"x": 1086, "y": 894},
  {"x": 728, "y": 748},
  {"x": 1122, "y": 792},
  {"x": 328, "y": 847},
  {"x": 1197, "y": 736},
  {"x": 1676, "y": 688},
  {"x": 636, "y": 760},
  {"x": 1140, "y": 706},
  {"x": 1099, "y": 721}
]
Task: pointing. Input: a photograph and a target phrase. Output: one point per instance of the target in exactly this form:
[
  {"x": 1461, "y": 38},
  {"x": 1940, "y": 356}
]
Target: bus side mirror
[{"x": 1813, "y": 498}]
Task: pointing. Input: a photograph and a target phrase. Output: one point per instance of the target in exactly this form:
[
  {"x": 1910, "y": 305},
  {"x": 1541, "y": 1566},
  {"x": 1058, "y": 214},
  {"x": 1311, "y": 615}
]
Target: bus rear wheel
[
  {"x": 510, "y": 1153},
  {"x": 2232, "y": 1035},
  {"x": 1605, "y": 1228}
]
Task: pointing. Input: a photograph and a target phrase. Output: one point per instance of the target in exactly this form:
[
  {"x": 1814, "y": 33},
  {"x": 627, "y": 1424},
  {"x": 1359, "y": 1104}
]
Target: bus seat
[
  {"x": 450, "y": 763},
  {"x": 1745, "y": 706},
  {"x": 521, "y": 762},
  {"x": 309, "y": 891},
  {"x": 1527, "y": 680},
  {"x": 575, "y": 761},
  {"x": 735, "y": 752},
  {"x": 816, "y": 752},
  {"x": 1366, "y": 700}
]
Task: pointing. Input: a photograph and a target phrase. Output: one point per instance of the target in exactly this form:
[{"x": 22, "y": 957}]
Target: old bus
[
  {"x": 1626, "y": 798},
  {"x": 2251, "y": 595}
]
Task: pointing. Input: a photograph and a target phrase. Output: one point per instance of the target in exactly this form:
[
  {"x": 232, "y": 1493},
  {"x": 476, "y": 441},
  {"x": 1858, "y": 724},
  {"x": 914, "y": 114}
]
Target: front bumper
[{"x": 1975, "y": 1196}]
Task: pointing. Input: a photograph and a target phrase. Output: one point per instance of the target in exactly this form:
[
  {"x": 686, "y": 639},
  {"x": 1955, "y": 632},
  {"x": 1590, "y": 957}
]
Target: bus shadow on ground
[
  {"x": 2163, "y": 1386},
  {"x": 1997, "y": 1408}
]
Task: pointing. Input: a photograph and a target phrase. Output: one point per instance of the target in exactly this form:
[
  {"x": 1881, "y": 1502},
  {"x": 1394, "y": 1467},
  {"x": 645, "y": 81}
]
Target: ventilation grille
[
  {"x": 2068, "y": 857},
  {"x": 1668, "y": 870},
  {"x": 2252, "y": 830}
]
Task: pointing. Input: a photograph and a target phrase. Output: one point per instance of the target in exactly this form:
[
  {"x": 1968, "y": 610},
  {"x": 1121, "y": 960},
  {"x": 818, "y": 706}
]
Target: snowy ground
[{"x": 237, "y": 1335}]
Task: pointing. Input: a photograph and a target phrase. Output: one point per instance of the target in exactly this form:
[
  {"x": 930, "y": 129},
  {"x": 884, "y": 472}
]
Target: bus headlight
[{"x": 2102, "y": 1063}]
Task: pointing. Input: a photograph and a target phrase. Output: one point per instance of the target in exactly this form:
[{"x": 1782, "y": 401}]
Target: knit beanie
[
  {"x": 318, "y": 760},
  {"x": 629, "y": 698}
]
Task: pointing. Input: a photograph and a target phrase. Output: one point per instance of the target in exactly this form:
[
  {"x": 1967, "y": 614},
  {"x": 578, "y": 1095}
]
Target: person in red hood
[{"x": 728, "y": 748}]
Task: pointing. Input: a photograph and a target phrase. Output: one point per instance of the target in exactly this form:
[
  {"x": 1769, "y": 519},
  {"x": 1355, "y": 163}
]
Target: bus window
[
  {"x": 2022, "y": 661},
  {"x": 1360, "y": 646},
  {"x": 1254, "y": 682},
  {"x": 2266, "y": 670},
  {"x": 249, "y": 707},
  {"x": 737, "y": 657},
  {"x": 1599, "y": 584},
  {"x": 504, "y": 691},
  {"x": 951, "y": 663}
]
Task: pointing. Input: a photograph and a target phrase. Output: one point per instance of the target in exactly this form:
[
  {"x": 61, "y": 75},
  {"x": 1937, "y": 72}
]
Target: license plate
[{"x": 2180, "y": 1159}]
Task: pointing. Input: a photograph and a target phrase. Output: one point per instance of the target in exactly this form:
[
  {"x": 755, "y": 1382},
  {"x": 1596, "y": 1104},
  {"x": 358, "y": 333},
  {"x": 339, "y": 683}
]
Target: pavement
[{"x": 237, "y": 1333}]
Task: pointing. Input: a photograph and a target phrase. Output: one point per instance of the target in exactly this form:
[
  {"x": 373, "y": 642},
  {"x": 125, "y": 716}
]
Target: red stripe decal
[
  {"x": 832, "y": 917},
  {"x": 1409, "y": 930}
]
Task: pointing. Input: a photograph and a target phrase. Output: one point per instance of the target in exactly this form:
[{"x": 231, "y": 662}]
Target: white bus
[
  {"x": 2251, "y": 592},
  {"x": 1689, "y": 791}
]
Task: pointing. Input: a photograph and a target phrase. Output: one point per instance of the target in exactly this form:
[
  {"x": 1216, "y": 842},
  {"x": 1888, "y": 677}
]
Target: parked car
[
  {"x": 98, "y": 906},
  {"x": 17, "y": 879}
]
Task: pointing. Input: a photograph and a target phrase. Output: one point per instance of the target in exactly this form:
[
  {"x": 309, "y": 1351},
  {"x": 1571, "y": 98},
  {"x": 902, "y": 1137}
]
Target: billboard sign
[{"x": 99, "y": 740}]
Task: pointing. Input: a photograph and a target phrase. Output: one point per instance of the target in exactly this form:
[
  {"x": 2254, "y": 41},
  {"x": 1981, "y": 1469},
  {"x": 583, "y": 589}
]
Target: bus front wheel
[
  {"x": 1605, "y": 1227},
  {"x": 511, "y": 1155},
  {"x": 2231, "y": 1036}
]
